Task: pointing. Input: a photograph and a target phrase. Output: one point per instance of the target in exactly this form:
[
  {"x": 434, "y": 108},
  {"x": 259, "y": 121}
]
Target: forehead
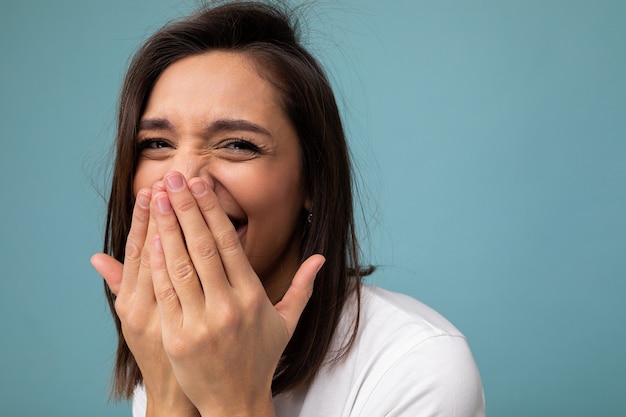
[{"x": 221, "y": 80}]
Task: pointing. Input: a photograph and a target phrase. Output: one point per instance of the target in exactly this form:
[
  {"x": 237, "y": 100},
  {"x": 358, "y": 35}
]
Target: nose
[{"x": 192, "y": 166}]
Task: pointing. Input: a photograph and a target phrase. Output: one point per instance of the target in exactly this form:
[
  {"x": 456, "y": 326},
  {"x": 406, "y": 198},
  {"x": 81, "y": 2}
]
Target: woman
[{"x": 231, "y": 260}]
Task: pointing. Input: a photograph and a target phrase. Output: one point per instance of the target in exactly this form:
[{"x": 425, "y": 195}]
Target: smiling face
[{"x": 213, "y": 116}]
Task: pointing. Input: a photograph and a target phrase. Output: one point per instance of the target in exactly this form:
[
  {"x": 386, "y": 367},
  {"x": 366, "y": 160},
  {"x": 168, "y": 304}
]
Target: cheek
[
  {"x": 147, "y": 174},
  {"x": 275, "y": 199},
  {"x": 273, "y": 209}
]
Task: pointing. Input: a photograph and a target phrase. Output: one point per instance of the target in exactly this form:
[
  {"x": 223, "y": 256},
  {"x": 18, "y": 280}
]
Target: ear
[{"x": 308, "y": 204}]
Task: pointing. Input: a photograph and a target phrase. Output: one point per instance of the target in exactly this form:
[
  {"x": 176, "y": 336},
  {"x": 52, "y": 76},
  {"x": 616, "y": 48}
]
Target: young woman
[{"x": 231, "y": 262}]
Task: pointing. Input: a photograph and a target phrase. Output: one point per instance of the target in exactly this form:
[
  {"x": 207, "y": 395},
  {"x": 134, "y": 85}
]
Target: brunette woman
[{"x": 231, "y": 261}]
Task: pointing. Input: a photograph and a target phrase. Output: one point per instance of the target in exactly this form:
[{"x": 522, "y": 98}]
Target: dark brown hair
[{"x": 269, "y": 36}]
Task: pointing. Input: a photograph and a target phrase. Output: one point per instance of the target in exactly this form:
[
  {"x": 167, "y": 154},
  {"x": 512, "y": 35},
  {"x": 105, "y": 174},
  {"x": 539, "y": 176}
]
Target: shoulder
[
  {"x": 396, "y": 311},
  {"x": 393, "y": 324},
  {"x": 406, "y": 360},
  {"x": 418, "y": 359}
]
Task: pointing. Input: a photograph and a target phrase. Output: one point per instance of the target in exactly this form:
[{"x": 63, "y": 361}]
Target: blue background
[{"x": 490, "y": 137}]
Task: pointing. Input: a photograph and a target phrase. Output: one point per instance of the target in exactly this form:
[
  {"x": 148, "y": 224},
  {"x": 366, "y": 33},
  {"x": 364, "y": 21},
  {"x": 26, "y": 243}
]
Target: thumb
[
  {"x": 110, "y": 269},
  {"x": 299, "y": 292}
]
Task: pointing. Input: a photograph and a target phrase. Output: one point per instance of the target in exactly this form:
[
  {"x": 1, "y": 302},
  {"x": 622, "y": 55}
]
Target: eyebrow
[
  {"x": 230, "y": 125},
  {"x": 155, "y": 124},
  {"x": 220, "y": 125}
]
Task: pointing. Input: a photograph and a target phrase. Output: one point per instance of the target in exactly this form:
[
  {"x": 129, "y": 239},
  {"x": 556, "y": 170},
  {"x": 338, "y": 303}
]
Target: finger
[
  {"x": 180, "y": 267},
  {"x": 233, "y": 257},
  {"x": 110, "y": 269},
  {"x": 200, "y": 242},
  {"x": 135, "y": 241},
  {"x": 299, "y": 292},
  {"x": 144, "y": 290},
  {"x": 166, "y": 297}
]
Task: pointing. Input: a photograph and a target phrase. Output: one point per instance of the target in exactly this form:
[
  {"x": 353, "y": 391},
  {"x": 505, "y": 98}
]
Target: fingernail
[
  {"x": 157, "y": 243},
  {"x": 175, "y": 182},
  {"x": 163, "y": 204},
  {"x": 143, "y": 200},
  {"x": 198, "y": 188}
]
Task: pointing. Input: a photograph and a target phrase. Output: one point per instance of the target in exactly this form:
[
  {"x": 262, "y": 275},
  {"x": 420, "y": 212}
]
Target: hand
[
  {"x": 136, "y": 307},
  {"x": 221, "y": 333}
]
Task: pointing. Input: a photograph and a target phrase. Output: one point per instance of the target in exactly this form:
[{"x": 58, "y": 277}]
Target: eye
[
  {"x": 149, "y": 144},
  {"x": 242, "y": 145}
]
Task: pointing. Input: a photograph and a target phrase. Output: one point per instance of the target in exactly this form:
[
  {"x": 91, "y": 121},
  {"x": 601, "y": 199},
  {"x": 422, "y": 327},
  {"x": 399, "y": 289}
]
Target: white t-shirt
[{"x": 407, "y": 361}]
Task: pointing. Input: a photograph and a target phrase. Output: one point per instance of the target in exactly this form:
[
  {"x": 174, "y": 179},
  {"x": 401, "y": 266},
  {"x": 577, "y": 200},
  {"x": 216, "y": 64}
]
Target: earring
[{"x": 309, "y": 218}]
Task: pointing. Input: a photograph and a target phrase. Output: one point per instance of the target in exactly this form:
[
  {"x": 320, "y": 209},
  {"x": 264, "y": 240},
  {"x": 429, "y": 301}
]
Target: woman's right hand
[{"x": 136, "y": 307}]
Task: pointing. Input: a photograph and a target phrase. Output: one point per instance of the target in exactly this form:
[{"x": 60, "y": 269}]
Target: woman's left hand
[{"x": 222, "y": 334}]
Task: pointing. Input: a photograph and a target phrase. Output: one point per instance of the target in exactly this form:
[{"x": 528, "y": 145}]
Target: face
[{"x": 213, "y": 116}]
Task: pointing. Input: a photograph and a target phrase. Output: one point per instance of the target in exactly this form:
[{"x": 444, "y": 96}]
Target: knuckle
[
  {"x": 169, "y": 226},
  {"x": 182, "y": 269},
  {"x": 121, "y": 308},
  {"x": 208, "y": 205},
  {"x": 254, "y": 302},
  {"x": 165, "y": 294},
  {"x": 140, "y": 216},
  {"x": 181, "y": 344},
  {"x": 133, "y": 326},
  {"x": 185, "y": 204},
  {"x": 145, "y": 257},
  {"x": 206, "y": 249},
  {"x": 228, "y": 241},
  {"x": 230, "y": 320},
  {"x": 133, "y": 249},
  {"x": 175, "y": 346},
  {"x": 157, "y": 264},
  {"x": 307, "y": 292},
  {"x": 133, "y": 323}
]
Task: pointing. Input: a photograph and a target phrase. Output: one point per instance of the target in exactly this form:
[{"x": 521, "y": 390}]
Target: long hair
[{"x": 267, "y": 35}]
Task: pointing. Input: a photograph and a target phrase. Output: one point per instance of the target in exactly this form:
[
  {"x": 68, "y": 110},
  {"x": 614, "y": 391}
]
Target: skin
[{"x": 211, "y": 288}]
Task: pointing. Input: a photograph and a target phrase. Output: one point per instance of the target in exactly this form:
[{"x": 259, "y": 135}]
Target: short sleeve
[{"x": 436, "y": 378}]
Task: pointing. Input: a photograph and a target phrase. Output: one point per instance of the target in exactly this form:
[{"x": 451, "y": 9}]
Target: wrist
[{"x": 169, "y": 402}]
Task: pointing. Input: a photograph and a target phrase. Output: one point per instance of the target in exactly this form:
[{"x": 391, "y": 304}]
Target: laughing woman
[{"x": 230, "y": 257}]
